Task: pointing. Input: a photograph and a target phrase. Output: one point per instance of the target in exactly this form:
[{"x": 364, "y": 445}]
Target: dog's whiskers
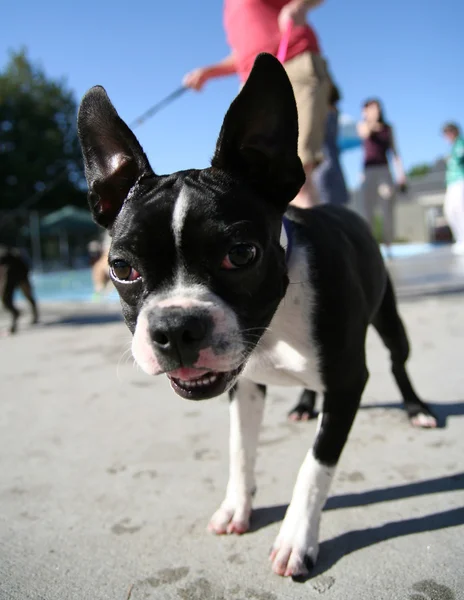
[{"x": 124, "y": 359}]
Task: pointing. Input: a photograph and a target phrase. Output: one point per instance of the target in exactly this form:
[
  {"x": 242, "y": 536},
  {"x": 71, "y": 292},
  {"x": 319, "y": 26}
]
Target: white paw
[
  {"x": 295, "y": 550},
  {"x": 424, "y": 420},
  {"x": 231, "y": 518}
]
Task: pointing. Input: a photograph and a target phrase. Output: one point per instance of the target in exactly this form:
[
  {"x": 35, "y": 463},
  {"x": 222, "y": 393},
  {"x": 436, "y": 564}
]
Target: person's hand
[
  {"x": 375, "y": 126},
  {"x": 293, "y": 12},
  {"x": 196, "y": 79},
  {"x": 402, "y": 183}
]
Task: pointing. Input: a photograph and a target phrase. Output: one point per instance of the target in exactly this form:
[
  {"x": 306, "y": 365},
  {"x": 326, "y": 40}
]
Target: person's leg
[
  {"x": 310, "y": 80},
  {"x": 307, "y": 197},
  {"x": 459, "y": 214},
  {"x": 451, "y": 210},
  {"x": 370, "y": 195},
  {"x": 386, "y": 191}
]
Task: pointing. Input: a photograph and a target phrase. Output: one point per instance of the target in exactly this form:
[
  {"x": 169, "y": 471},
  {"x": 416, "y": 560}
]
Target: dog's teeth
[{"x": 201, "y": 381}]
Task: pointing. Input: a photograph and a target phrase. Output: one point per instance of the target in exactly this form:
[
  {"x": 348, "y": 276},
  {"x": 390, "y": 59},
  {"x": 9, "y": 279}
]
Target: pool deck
[
  {"x": 108, "y": 478},
  {"x": 435, "y": 272},
  {"x": 417, "y": 269}
]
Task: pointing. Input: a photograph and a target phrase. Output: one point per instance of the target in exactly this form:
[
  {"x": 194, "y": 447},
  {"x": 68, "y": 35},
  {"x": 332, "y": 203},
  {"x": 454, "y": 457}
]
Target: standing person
[
  {"x": 328, "y": 177},
  {"x": 254, "y": 26},
  {"x": 454, "y": 199},
  {"x": 378, "y": 186}
]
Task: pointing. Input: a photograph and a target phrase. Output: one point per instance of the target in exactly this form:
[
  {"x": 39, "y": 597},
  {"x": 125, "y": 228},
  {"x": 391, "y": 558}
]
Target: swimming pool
[
  {"x": 76, "y": 286},
  {"x": 68, "y": 286}
]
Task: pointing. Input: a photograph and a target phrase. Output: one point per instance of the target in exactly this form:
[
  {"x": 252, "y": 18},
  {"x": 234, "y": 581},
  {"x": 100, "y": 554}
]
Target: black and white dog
[{"x": 224, "y": 290}]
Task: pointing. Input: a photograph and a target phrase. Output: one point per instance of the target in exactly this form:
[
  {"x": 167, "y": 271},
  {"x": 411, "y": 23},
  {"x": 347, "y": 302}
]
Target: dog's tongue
[{"x": 187, "y": 374}]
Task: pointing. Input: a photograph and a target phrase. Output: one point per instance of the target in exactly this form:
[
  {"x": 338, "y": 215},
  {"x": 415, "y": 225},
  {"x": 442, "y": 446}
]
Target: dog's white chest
[{"x": 287, "y": 354}]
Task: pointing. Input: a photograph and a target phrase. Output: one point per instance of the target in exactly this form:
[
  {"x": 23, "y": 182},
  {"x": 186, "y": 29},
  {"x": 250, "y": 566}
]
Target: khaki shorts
[{"x": 310, "y": 79}]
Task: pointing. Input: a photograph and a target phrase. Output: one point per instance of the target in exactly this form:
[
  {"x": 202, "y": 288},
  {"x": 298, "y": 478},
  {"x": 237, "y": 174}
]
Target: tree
[
  {"x": 40, "y": 159},
  {"x": 419, "y": 170}
]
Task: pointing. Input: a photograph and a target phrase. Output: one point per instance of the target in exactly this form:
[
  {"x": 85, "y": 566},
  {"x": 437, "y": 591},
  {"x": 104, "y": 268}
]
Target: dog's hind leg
[
  {"x": 246, "y": 414},
  {"x": 304, "y": 410},
  {"x": 390, "y": 327},
  {"x": 7, "y": 300},
  {"x": 295, "y": 550},
  {"x": 26, "y": 289}
]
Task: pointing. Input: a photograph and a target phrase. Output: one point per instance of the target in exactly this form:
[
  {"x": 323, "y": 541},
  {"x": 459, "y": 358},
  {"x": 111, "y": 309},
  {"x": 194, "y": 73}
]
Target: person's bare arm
[
  {"x": 399, "y": 169},
  {"x": 366, "y": 128},
  {"x": 363, "y": 129},
  {"x": 295, "y": 11},
  {"x": 198, "y": 77},
  {"x": 313, "y": 3}
]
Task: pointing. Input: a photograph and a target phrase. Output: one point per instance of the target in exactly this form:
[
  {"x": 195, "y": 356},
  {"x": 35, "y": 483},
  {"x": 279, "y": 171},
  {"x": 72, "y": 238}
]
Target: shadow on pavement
[
  {"x": 442, "y": 410},
  {"x": 262, "y": 517},
  {"x": 86, "y": 319},
  {"x": 331, "y": 551}
]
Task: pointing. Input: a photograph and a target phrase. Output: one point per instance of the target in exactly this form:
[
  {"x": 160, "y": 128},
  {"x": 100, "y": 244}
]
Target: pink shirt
[{"x": 251, "y": 27}]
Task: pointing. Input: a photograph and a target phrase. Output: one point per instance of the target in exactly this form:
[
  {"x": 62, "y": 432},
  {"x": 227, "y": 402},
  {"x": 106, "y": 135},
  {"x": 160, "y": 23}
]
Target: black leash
[{"x": 157, "y": 107}]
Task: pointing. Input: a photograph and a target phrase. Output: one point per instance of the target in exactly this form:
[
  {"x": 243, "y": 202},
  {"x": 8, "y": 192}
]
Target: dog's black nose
[{"x": 179, "y": 335}]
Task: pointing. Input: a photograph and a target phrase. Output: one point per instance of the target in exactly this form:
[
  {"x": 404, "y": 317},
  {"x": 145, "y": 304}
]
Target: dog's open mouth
[{"x": 201, "y": 384}]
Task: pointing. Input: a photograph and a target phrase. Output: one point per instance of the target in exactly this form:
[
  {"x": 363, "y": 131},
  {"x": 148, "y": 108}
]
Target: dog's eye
[
  {"x": 122, "y": 271},
  {"x": 240, "y": 255}
]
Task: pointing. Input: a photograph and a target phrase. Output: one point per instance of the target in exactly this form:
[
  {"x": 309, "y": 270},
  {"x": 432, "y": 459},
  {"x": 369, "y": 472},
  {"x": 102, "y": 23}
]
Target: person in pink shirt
[{"x": 254, "y": 26}]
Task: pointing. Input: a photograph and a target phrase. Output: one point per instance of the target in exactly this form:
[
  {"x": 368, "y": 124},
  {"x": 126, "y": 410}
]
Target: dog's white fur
[
  {"x": 178, "y": 217},
  {"x": 287, "y": 354}
]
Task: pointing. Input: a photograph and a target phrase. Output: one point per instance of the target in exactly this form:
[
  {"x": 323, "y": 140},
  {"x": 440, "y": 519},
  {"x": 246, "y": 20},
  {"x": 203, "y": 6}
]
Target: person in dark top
[
  {"x": 328, "y": 177},
  {"x": 378, "y": 186}
]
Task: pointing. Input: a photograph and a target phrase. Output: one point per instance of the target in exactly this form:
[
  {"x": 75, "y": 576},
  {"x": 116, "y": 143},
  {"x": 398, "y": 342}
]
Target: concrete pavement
[{"x": 108, "y": 479}]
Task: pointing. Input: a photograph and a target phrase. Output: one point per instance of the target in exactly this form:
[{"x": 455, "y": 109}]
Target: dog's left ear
[
  {"x": 259, "y": 136},
  {"x": 113, "y": 158}
]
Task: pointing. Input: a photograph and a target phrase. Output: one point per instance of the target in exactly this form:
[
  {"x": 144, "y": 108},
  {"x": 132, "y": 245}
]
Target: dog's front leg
[
  {"x": 246, "y": 413},
  {"x": 296, "y": 548}
]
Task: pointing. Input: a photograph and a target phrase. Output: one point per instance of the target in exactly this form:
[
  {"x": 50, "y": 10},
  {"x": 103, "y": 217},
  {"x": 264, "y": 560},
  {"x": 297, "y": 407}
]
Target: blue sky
[{"x": 407, "y": 52}]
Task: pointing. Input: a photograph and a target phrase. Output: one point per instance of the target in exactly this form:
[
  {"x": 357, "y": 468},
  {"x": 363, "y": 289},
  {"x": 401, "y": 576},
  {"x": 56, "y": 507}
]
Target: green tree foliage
[
  {"x": 40, "y": 159},
  {"x": 419, "y": 170}
]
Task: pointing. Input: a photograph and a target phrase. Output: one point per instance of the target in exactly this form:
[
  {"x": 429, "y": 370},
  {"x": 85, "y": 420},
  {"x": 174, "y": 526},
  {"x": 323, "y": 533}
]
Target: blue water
[
  {"x": 410, "y": 250},
  {"x": 76, "y": 286},
  {"x": 68, "y": 286}
]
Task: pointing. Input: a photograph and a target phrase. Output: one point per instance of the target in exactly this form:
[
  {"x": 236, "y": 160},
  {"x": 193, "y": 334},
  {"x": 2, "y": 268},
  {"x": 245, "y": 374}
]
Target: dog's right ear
[
  {"x": 113, "y": 158},
  {"x": 259, "y": 136}
]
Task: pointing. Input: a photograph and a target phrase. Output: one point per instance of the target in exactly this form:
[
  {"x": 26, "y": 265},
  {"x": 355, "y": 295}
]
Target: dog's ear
[
  {"x": 259, "y": 136},
  {"x": 113, "y": 158}
]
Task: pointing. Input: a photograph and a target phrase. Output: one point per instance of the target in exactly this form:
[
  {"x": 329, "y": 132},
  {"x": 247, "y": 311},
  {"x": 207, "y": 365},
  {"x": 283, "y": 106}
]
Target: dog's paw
[
  {"x": 420, "y": 415},
  {"x": 301, "y": 413},
  {"x": 424, "y": 420},
  {"x": 295, "y": 551},
  {"x": 228, "y": 519}
]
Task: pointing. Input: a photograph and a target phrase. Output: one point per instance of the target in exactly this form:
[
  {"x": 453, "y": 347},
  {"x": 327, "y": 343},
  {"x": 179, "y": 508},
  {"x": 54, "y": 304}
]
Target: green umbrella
[{"x": 69, "y": 219}]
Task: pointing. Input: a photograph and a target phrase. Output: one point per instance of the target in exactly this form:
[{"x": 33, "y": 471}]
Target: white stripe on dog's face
[
  {"x": 179, "y": 215},
  {"x": 226, "y": 350}
]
